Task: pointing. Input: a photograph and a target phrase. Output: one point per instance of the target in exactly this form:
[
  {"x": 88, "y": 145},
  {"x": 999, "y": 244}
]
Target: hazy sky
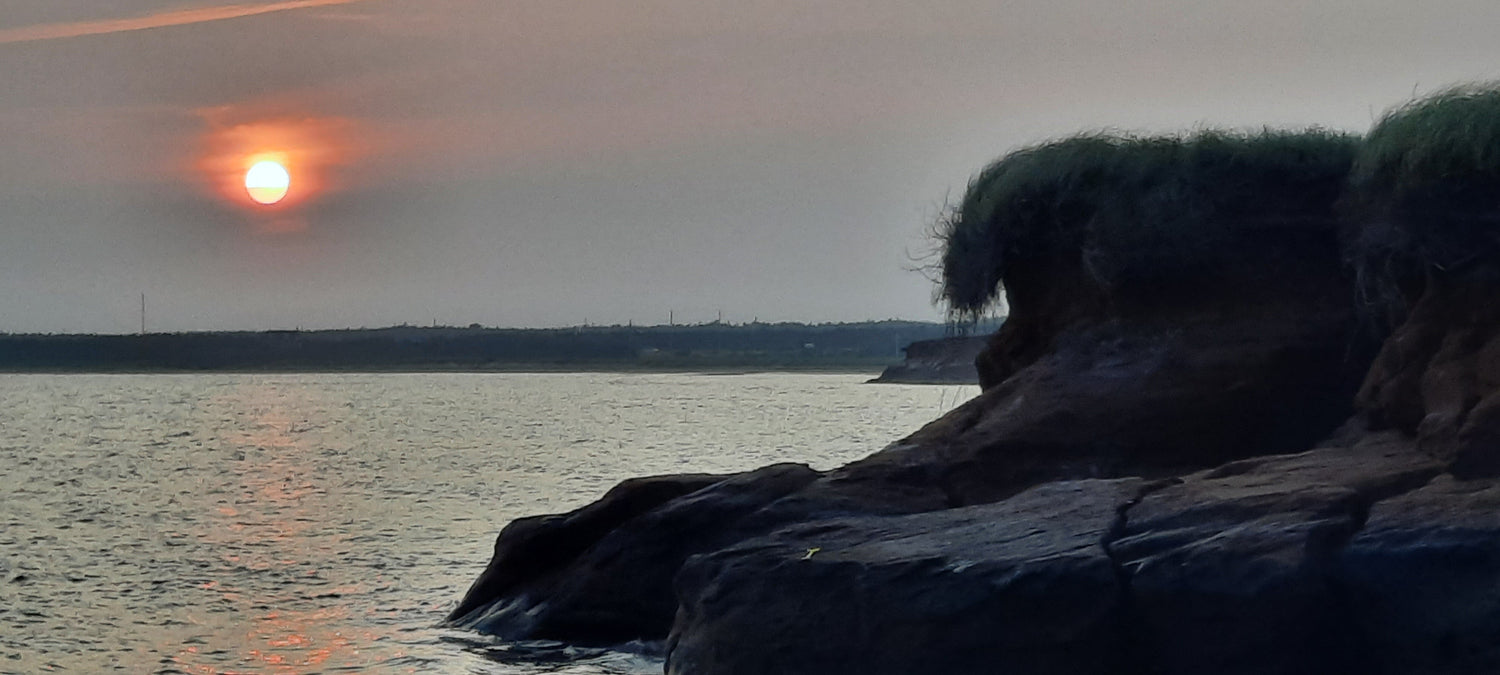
[{"x": 547, "y": 162}]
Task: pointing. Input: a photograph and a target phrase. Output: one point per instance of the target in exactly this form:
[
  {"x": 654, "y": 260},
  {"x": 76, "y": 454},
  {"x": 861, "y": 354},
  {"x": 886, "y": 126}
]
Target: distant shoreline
[
  {"x": 509, "y": 368},
  {"x": 865, "y": 348}
]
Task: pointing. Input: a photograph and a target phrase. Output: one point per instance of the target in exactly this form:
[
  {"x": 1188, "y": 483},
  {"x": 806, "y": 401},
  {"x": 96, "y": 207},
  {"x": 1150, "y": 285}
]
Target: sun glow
[
  {"x": 267, "y": 182},
  {"x": 272, "y": 172}
]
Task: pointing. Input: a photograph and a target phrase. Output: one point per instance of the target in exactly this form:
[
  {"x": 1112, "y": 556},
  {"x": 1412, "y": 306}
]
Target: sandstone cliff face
[
  {"x": 1220, "y": 471},
  {"x": 1437, "y": 377},
  {"x": 1122, "y": 503},
  {"x": 1088, "y": 381},
  {"x": 1107, "y": 387}
]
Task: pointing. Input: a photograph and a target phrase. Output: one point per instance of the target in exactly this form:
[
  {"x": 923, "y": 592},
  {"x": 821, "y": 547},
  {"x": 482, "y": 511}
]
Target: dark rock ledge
[
  {"x": 948, "y": 360},
  {"x": 1222, "y": 474}
]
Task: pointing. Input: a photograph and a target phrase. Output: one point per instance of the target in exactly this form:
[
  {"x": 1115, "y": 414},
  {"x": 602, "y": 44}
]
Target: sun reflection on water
[
  {"x": 273, "y": 521},
  {"x": 285, "y": 643}
]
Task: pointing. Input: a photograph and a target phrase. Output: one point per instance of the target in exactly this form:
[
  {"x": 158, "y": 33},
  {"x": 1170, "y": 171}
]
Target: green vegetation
[
  {"x": 1133, "y": 210},
  {"x": 1425, "y": 188}
]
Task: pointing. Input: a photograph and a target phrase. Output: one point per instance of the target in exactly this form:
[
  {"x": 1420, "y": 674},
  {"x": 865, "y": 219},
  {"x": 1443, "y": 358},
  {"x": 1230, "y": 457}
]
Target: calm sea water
[{"x": 325, "y": 523}]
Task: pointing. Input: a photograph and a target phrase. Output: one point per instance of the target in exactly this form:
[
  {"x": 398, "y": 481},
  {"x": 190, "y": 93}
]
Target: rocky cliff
[
  {"x": 1174, "y": 466},
  {"x": 947, "y": 360}
]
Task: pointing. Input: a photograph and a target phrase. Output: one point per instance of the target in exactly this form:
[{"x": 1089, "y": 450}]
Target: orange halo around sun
[
  {"x": 308, "y": 156},
  {"x": 267, "y": 182}
]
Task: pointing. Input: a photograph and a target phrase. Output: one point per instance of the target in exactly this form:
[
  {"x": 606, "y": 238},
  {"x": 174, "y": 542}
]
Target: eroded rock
[
  {"x": 596, "y": 576},
  {"x": 1438, "y": 376},
  {"x": 1024, "y": 585},
  {"x": 1232, "y": 570},
  {"x": 1422, "y": 579}
]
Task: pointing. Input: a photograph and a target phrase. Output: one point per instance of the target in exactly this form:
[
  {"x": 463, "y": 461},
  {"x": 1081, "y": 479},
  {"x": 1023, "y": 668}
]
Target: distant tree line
[{"x": 790, "y": 345}]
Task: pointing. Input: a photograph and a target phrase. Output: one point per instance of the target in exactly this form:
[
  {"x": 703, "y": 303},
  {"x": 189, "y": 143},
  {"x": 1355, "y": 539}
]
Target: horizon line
[{"x": 476, "y": 326}]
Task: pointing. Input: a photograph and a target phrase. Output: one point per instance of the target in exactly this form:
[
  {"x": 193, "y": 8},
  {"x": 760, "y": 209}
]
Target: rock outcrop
[
  {"x": 1437, "y": 378},
  {"x": 596, "y": 576},
  {"x": 944, "y": 361},
  {"x": 1024, "y": 582},
  {"x": 1422, "y": 579},
  {"x": 1238, "y": 569},
  {"x": 1208, "y": 469}
]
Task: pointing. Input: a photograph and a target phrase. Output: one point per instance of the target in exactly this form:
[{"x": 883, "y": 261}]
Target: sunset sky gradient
[{"x": 545, "y": 163}]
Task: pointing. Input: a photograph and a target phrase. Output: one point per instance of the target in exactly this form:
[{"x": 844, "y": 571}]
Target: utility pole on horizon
[{"x": 143, "y": 312}]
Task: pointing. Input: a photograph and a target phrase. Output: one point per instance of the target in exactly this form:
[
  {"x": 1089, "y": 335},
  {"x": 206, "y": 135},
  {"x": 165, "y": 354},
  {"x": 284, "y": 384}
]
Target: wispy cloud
[{"x": 179, "y": 17}]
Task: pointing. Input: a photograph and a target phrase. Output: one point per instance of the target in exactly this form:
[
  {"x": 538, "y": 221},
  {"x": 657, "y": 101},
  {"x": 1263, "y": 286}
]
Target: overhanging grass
[
  {"x": 1133, "y": 209},
  {"x": 1425, "y": 189}
]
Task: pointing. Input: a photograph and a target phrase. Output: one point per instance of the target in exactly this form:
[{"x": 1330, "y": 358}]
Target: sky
[{"x": 558, "y": 162}]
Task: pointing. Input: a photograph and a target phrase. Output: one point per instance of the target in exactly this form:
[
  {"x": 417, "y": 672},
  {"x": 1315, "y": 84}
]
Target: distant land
[
  {"x": 714, "y": 346},
  {"x": 948, "y": 360}
]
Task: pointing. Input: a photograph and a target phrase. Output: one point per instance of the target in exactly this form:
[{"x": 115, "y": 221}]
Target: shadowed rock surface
[
  {"x": 595, "y": 576},
  {"x": 1025, "y": 582},
  {"x": 1423, "y": 579},
  {"x": 1238, "y": 569},
  {"x": 1234, "y": 570}
]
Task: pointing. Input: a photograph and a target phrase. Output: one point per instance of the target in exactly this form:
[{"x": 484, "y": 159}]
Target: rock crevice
[{"x": 1137, "y": 656}]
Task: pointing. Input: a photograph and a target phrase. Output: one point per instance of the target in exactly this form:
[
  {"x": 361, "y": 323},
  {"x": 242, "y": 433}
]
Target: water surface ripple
[{"x": 325, "y": 523}]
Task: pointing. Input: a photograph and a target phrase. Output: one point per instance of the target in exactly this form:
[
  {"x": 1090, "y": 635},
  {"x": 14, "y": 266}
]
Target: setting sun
[{"x": 267, "y": 182}]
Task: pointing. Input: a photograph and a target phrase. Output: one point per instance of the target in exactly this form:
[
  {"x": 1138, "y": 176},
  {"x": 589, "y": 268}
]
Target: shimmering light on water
[{"x": 324, "y": 523}]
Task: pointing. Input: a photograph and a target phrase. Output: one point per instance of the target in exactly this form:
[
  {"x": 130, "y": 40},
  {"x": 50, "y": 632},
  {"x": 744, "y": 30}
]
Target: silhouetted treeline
[{"x": 790, "y": 345}]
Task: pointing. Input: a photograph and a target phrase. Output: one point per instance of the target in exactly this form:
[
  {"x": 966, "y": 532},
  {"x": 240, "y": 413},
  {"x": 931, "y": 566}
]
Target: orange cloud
[{"x": 180, "y": 17}]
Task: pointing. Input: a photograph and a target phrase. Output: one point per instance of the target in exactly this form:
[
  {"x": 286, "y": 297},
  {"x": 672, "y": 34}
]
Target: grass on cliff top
[
  {"x": 1425, "y": 188},
  {"x": 1133, "y": 208}
]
